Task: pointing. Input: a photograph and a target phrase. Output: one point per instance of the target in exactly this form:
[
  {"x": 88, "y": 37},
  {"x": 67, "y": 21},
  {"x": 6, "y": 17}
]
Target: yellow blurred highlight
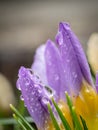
[
  {"x": 92, "y": 51},
  {"x": 86, "y": 105}
]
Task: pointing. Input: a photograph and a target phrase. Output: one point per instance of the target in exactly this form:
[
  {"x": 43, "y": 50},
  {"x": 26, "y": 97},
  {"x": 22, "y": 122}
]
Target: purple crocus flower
[
  {"x": 34, "y": 95},
  {"x": 62, "y": 66},
  {"x": 97, "y": 82}
]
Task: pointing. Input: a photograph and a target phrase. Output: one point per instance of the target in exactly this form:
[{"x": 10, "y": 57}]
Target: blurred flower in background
[
  {"x": 6, "y": 96},
  {"x": 92, "y": 52}
]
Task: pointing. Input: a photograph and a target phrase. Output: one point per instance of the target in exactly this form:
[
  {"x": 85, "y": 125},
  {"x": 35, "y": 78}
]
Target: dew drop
[
  {"x": 21, "y": 97},
  {"x": 27, "y": 82},
  {"x": 22, "y": 72},
  {"x": 45, "y": 100},
  {"x": 18, "y": 87},
  {"x": 25, "y": 105},
  {"x": 59, "y": 38},
  {"x": 39, "y": 90},
  {"x": 36, "y": 85},
  {"x": 31, "y": 71}
]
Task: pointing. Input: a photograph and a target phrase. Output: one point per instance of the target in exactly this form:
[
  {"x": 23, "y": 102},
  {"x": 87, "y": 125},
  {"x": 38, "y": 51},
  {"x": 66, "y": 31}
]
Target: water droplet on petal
[
  {"x": 45, "y": 100},
  {"x": 22, "y": 72},
  {"x": 39, "y": 90},
  {"x": 25, "y": 105},
  {"x": 18, "y": 85},
  {"x": 27, "y": 81},
  {"x": 33, "y": 93},
  {"x": 59, "y": 38},
  {"x": 21, "y": 97}
]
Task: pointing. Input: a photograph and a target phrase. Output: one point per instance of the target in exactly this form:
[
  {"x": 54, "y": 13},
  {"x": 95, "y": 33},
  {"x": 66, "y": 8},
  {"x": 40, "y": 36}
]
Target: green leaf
[
  {"x": 20, "y": 122},
  {"x": 56, "y": 125},
  {"x": 10, "y": 121},
  {"x": 63, "y": 119},
  {"x": 83, "y": 123},
  {"x": 20, "y": 117},
  {"x": 75, "y": 119},
  {"x": 7, "y": 121}
]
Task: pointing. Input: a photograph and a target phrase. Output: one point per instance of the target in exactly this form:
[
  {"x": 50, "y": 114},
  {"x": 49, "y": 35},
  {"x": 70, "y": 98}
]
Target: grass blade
[
  {"x": 83, "y": 123},
  {"x": 20, "y": 122},
  {"x": 53, "y": 118},
  {"x": 27, "y": 125},
  {"x": 10, "y": 121},
  {"x": 75, "y": 119},
  {"x": 63, "y": 119}
]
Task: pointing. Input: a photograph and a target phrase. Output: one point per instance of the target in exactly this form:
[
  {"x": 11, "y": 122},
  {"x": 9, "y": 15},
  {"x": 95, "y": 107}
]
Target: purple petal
[
  {"x": 34, "y": 95},
  {"x": 96, "y": 82},
  {"x": 39, "y": 66},
  {"x": 54, "y": 70},
  {"x": 73, "y": 57}
]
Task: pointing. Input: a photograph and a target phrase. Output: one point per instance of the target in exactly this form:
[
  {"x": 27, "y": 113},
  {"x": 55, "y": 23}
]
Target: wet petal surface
[
  {"x": 73, "y": 58},
  {"x": 34, "y": 95},
  {"x": 38, "y": 65},
  {"x": 54, "y": 70}
]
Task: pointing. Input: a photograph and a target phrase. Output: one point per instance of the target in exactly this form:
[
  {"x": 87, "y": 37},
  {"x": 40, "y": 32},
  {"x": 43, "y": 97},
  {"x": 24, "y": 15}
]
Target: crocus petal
[
  {"x": 96, "y": 82},
  {"x": 34, "y": 95},
  {"x": 54, "y": 69},
  {"x": 38, "y": 65},
  {"x": 73, "y": 57}
]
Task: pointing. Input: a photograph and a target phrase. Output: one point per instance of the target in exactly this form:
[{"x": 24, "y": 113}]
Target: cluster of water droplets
[{"x": 34, "y": 95}]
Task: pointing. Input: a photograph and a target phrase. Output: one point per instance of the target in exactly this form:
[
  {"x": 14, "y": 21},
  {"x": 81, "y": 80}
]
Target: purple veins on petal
[
  {"x": 54, "y": 70},
  {"x": 73, "y": 58},
  {"x": 34, "y": 95}
]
